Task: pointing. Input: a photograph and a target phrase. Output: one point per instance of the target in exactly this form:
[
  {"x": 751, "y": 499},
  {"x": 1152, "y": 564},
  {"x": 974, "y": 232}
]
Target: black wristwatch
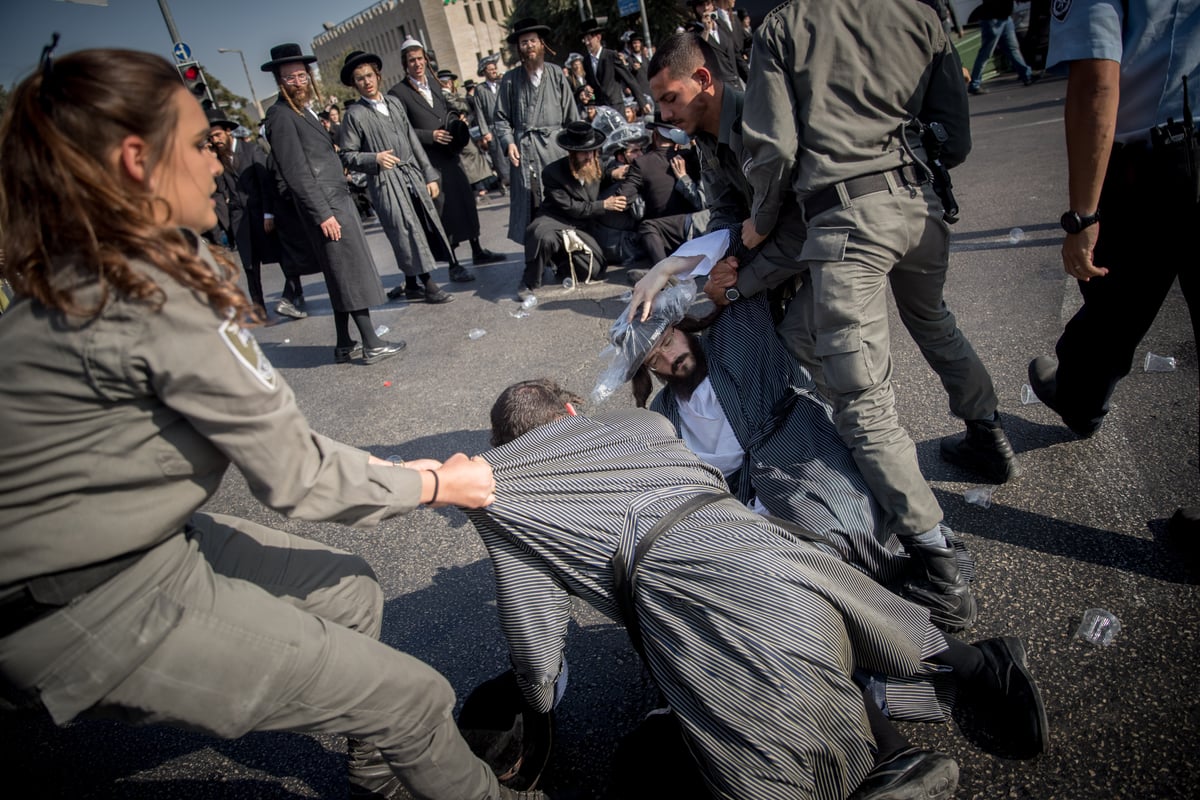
[
  {"x": 732, "y": 294},
  {"x": 1074, "y": 222}
]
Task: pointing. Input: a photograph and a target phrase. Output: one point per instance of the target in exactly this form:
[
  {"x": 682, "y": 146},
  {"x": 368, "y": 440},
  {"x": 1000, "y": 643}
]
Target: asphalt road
[{"x": 1082, "y": 528}]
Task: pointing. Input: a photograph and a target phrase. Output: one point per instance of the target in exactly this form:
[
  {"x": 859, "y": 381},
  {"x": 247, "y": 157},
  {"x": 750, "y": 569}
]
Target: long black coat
[
  {"x": 253, "y": 197},
  {"x": 456, "y": 203},
  {"x": 312, "y": 178},
  {"x": 610, "y": 79}
]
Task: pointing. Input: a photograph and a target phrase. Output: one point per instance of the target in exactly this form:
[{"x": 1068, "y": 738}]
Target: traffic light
[{"x": 194, "y": 80}]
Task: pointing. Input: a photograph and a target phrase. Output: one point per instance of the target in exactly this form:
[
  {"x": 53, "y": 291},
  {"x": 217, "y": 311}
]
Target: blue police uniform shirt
[{"x": 1161, "y": 44}]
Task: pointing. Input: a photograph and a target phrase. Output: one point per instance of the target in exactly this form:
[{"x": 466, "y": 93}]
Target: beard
[
  {"x": 533, "y": 59},
  {"x": 684, "y": 385},
  {"x": 301, "y": 94},
  {"x": 588, "y": 171}
]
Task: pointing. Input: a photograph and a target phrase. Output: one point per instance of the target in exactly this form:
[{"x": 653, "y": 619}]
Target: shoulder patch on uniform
[
  {"x": 1060, "y": 9},
  {"x": 245, "y": 348}
]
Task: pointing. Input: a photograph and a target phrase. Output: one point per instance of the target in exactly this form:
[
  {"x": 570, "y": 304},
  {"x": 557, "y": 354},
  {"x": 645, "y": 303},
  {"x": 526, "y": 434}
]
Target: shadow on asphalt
[{"x": 1081, "y": 543}]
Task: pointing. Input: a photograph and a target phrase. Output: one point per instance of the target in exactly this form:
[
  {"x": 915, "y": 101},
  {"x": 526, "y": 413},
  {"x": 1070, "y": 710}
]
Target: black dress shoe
[
  {"x": 372, "y": 355},
  {"x": 983, "y": 449},
  {"x": 343, "y": 355},
  {"x": 1043, "y": 379},
  {"x": 436, "y": 295},
  {"x": 459, "y": 274},
  {"x": 910, "y": 774},
  {"x": 1013, "y": 719},
  {"x": 485, "y": 256},
  {"x": 396, "y": 292}
]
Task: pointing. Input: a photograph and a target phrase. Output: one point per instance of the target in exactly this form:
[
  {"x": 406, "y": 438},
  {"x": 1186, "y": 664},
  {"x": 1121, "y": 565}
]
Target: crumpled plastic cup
[
  {"x": 980, "y": 496},
  {"x": 1028, "y": 398},
  {"x": 1098, "y": 627},
  {"x": 1156, "y": 363},
  {"x": 476, "y": 333}
]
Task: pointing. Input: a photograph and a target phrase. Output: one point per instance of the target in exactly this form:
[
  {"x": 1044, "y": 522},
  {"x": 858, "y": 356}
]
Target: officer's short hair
[
  {"x": 682, "y": 54},
  {"x": 527, "y": 405}
]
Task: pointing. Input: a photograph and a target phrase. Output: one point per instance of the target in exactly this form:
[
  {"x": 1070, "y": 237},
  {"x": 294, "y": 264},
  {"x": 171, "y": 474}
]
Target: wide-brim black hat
[
  {"x": 217, "y": 119},
  {"x": 287, "y": 53},
  {"x": 356, "y": 59},
  {"x": 494, "y": 58},
  {"x": 446, "y": 75},
  {"x": 591, "y": 26},
  {"x": 527, "y": 25},
  {"x": 579, "y": 136},
  {"x": 503, "y": 731}
]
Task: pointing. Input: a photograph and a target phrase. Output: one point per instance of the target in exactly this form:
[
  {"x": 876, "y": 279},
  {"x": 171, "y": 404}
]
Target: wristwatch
[
  {"x": 1074, "y": 222},
  {"x": 732, "y": 294}
]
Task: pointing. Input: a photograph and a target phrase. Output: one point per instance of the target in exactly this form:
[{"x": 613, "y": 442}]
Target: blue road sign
[
  {"x": 627, "y": 7},
  {"x": 182, "y": 52}
]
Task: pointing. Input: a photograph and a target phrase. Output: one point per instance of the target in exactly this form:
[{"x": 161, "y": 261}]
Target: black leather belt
[
  {"x": 828, "y": 198},
  {"x": 26, "y": 603}
]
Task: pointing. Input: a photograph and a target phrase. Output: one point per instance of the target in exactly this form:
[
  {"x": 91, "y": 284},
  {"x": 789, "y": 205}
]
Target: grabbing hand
[
  {"x": 615, "y": 203},
  {"x": 462, "y": 481},
  {"x": 722, "y": 277},
  {"x": 751, "y": 238},
  {"x": 679, "y": 166}
]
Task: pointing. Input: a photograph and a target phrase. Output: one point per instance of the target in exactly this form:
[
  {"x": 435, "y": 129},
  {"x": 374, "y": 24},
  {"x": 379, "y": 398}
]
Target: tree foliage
[{"x": 564, "y": 20}]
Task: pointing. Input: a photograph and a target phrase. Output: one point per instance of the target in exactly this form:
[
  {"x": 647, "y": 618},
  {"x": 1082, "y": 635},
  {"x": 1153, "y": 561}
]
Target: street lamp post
[{"x": 253, "y": 94}]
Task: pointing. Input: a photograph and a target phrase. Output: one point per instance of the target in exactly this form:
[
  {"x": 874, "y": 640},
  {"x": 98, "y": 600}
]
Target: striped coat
[
  {"x": 795, "y": 461},
  {"x": 751, "y": 634}
]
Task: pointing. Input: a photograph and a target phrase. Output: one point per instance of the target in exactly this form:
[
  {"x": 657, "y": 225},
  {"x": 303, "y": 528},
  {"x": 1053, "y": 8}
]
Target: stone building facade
[{"x": 456, "y": 35}]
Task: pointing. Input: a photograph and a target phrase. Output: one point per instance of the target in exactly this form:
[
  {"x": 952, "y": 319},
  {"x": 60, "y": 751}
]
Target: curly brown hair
[{"x": 70, "y": 222}]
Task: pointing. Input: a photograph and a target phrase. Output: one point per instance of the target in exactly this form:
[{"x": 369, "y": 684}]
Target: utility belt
[
  {"x": 827, "y": 198},
  {"x": 25, "y": 603},
  {"x": 1166, "y": 164}
]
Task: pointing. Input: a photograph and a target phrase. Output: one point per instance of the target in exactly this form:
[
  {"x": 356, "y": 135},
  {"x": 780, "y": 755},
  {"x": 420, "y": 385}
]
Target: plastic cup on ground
[
  {"x": 1157, "y": 363},
  {"x": 1098, "y": 627}
]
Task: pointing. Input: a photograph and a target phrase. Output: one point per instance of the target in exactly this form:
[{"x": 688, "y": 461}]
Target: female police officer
[{"x": 129, "y": 386}]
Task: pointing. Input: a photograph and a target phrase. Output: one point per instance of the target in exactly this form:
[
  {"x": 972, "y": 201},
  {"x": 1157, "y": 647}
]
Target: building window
[
  {"x": 467, "y": 8},
  {"x": 492, "y": 8}
]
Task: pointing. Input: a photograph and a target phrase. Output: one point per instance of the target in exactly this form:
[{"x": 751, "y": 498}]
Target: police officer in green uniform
[{"x": 131, "y": 383}]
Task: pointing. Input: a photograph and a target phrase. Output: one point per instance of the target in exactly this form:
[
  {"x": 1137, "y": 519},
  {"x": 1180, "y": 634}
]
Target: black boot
[
  {"x": 983, "y": 449},
  {"x": 370, "y": 776},
  {"x": 940, "y": 587},
  {"x": 1006, "y": 702}
]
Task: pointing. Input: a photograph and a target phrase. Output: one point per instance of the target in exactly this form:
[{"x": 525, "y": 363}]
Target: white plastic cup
[
  {"x": 381, "y": 330},
  {"x": 1028, "y": 398},
  {"x": 1156, "y": 363},
  {"x": 476, "y": 333},
  {"x": 1098, "y": 627},
  {"x": 1016, "y": 236},
  {"x": 529, "y": 302},
  {"x": 568, "y": 283},
  {"x": 979, "y": 496}
]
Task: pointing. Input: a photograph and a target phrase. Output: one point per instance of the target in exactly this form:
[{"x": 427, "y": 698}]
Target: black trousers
[{"x": 1148, "y": 219}]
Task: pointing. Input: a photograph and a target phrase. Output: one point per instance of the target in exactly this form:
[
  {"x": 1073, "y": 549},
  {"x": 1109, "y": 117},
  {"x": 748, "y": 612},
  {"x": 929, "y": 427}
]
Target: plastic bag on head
[{"x": 631, "y": 340}]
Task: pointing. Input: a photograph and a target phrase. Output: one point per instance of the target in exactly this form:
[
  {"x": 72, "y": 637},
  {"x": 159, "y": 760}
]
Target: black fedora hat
[
  {"x": 287, "y": 53},
  {"x": 527, "y": 25},
  {"x": 579, "y": 136},
  {"x": 591, "y": 26},
  {"x": 494, "y": 58},
  {"x": 446, "y": 75},
  {"x": 356, "y": 59},
  {"x": 217, "y": 119},
  {"x": 505, "y": 732}
]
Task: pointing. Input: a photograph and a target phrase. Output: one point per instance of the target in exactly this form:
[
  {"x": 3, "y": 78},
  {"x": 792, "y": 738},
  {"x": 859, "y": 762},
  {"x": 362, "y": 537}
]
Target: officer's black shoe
[
  {"x": 397, "y": 292},
  {"x": 372, "y": 355},
  {"x": 1043, "y": 379},
  {"x": 940, "y": 587},
  {"x": 370, "y": 776},
  {"x": 1010, "y": 712},
  {"x": 485, "y": 256},
  {"x": 459, "y": 274},
  {"x": 344, "y": 355},
  {"x": 910, "y": 774},
  {"x": 983, "y": 449}
]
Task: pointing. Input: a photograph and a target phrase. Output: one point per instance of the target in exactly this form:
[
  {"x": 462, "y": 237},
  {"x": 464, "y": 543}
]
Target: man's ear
[
  {"x": 133, "y": 154},
  {"x": 703, "y": 77}
]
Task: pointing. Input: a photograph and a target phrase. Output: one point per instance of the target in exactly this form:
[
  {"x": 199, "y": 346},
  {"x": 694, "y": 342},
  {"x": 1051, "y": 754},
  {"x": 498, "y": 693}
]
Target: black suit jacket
[
  {"x": 651, "y": 176},
  {"x": 610, "y": 79}
]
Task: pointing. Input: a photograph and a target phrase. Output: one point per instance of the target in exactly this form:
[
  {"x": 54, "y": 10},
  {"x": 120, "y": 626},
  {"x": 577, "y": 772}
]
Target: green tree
[
  {"x": 563, "y": 18},
  {"x": 236, "y": 107}
]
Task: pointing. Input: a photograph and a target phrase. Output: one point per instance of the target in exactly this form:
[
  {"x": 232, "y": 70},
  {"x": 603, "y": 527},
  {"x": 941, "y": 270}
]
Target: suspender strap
[{"x": 625, "y": 574}]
